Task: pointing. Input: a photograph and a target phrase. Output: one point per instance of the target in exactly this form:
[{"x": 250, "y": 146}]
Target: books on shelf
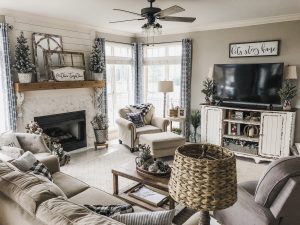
[{"x": 148, "y": 195}]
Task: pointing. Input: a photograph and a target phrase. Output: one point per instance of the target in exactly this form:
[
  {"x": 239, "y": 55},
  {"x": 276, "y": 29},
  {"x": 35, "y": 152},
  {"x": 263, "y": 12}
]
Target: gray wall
[
  {"x": 2, "y": 19},
  {"x": 211, "y": 47},
  {"x": 114, "y": 37}
]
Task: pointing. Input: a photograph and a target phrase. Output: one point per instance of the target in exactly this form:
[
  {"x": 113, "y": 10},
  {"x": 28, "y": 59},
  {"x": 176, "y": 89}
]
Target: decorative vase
[
  {"x": 101, "y": 135},
  {"x": 251, "y": 131},
  {"x": 98, "y": 76},
  {"x": 207, "y": 100},
  {"x": 25, "y": 77},
  {"x": 287, "y": 106}
]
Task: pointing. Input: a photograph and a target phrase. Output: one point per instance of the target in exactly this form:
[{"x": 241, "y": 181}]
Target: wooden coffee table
[{"x": 129, "y": 171}]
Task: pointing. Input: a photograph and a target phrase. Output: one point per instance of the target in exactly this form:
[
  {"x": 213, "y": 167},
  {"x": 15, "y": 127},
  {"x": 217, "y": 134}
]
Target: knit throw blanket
[
  {"x": 110, "y": 210},
  {"x": 143, "y": 108}
]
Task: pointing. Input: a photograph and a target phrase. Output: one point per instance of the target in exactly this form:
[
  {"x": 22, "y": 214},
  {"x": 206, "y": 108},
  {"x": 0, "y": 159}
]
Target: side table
[{"x": 180, "y": 120}]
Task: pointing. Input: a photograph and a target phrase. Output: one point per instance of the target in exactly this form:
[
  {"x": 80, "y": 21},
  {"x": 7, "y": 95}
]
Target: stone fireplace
[{"x": 69, "y": 128}]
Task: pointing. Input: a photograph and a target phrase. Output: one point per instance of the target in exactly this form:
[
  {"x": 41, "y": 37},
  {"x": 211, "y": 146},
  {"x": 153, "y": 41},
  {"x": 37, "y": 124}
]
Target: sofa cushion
[
  {"x": 58, "y": 211},
  {"x": 39, "y": 168},
  {"x": 146, "y": 218},
  {"x": 136, "y": 118},
  {"x": 13, "y": 152},
  {"x": 42, "y": 155},
  {"x": 28, "y": 190},
  {"x": 275, "y": 177},
  {"x": 6, "y": 168},
  {"x": 31, "y": 142},
  {"x": 9, "y": 139},
  {"x": 147, "y": 129},
  {"x": 94, "y": 196},
  {"x": 124, "y": 111},
  {"x": 68, "y": 184},
  {"x": 25, "y": 161},
  {"x": 162, "y": 140}
]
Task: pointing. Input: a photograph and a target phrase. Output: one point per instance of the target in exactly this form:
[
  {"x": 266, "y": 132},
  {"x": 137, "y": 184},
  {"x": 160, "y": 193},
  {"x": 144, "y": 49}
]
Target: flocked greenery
[
  {"x": 97, "y": 57},
  {"x": 288, "y": 91},
  {"x": 195, "y": 121},
  {"x": 100, "y": 122},
  {"x": 22, "y": 60},
  {"x": 208, "y": 88}
]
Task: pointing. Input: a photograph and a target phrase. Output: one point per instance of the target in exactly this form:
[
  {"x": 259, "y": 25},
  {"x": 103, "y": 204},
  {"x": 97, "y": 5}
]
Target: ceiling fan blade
[
  {"x": 120, "y": 21},
  {"x": 122, "y": 10},
  {"x": 169, "y": 11},
  {"x": 178, "y": 19}
]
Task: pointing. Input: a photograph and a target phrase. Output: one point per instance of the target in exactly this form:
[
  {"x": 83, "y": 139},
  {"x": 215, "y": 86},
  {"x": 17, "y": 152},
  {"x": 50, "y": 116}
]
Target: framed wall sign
[{"x": 254, "y": 49}]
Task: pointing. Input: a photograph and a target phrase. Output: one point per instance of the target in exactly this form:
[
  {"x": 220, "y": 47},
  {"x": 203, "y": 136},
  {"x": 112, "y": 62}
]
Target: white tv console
[{"x": 274, "y": 138}]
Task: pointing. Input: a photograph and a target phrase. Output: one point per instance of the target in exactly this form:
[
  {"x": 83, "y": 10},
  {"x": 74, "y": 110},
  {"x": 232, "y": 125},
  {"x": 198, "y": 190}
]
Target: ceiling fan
[{"x": 151, "y": 14}]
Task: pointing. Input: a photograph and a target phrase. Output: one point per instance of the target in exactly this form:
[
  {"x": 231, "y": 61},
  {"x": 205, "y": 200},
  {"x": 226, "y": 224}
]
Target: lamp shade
[
  {"x": 210, "y": 73},
  {"x": 291, "y": 73},
  {"x": 165, "y": 86},
  {"x": 203, "y": 177}
]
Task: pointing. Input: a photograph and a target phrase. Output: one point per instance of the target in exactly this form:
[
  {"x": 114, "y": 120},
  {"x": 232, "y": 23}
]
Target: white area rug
[{"x": 94, "y": 167}]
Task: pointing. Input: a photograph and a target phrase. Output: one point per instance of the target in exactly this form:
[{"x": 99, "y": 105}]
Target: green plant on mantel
[
  {"x": 195, "y": 121},
  {"x": 208, "y": 89},
  {"x": 287, "y": 93}
]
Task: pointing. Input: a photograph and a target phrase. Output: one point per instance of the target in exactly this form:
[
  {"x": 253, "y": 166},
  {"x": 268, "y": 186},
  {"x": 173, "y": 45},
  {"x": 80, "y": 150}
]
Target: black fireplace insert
[{"x": 69, "y": 129}]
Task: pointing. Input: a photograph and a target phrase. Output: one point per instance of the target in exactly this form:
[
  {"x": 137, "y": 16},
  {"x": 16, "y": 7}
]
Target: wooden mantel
[{"x": 58, "y": 85}]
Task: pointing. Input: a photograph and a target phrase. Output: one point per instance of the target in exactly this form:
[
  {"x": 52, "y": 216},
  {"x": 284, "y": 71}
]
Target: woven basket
[
  {"x": 101, "y": 136},
  {"x": 204, "y": 183}
]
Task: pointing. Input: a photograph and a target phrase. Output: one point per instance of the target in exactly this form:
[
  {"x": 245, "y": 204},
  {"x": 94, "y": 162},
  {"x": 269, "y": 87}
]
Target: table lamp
[
  {"x": 203, "y": 178},
  {"x": 165, "y": 87},
  {"x": 291, "y": 73}
]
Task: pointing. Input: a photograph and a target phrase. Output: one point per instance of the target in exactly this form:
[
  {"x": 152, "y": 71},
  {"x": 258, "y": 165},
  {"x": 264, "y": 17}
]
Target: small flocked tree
[
  {"x": 22, "y": 59},
  {"x": 97, "y": 57}
]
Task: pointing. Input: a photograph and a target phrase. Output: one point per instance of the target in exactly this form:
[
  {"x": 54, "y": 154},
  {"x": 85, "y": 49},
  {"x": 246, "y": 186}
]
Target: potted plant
[
  {"x": 100, "y": 125},
  {"x": 195, "y": 121},
  {"x": 97, "y": 65},
  {"x": 287, "y": 93},
  {"x": 22, "y": 64},
  {"x": 208, "y": 89}
]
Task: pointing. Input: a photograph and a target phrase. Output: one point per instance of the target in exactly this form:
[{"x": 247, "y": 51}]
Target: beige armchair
[
  {"x": 129, "y": 134},
  {"x": 273, "y": 200}
]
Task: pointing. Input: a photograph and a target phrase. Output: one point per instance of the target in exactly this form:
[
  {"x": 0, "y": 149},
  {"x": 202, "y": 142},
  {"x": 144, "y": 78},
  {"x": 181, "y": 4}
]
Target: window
[
  {"x": 162, "y": 62},
  {"x": 119, "y": 75}
]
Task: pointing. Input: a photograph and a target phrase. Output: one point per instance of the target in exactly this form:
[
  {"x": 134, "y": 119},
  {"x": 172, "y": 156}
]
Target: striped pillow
[{"x": 146, "y": 218}]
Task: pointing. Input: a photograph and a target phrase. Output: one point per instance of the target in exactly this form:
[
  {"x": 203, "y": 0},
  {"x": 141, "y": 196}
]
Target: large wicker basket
[{"x": 204, "y": 182}]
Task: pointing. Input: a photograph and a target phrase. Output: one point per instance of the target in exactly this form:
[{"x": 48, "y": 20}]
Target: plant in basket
[
  {"x": 100, "y": 125},
  {"x": 145, "y": 163}
]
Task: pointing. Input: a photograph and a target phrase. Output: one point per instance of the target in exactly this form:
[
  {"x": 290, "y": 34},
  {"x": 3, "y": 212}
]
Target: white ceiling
[{"x": 209, "y": 13}]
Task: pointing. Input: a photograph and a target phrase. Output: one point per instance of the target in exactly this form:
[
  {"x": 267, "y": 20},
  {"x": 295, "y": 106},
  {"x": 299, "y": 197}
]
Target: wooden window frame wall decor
[
  {"x": 51, "y": 42},
  {"x": 257, "y": 52},
  {"x": 61, "y": 61}
]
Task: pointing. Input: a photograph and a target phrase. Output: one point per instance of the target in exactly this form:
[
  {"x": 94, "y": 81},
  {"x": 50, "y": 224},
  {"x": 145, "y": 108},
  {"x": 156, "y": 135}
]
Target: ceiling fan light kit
[{"x": 152, "y": 14}]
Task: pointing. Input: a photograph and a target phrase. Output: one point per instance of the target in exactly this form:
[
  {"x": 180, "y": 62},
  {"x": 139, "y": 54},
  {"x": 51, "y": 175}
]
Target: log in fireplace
[{"x": 69, "y": 129}]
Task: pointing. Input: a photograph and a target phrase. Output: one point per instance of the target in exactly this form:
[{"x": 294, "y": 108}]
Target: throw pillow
[
  {"x": 136, "y": 118},
  {"x": 109, "y": 210},
  {"x": 12, "y": 152},
  {"x": 25, "y": 161},
  {"x": 9, "y": 139},
  {"x": 39, "y": 168},
  {"x": 146, "y": 110},
  {"x": 146, "y": 218}
]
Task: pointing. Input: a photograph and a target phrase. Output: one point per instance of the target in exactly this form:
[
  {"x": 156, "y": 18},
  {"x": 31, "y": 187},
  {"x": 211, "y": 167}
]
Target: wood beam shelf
[{"x": 21, "y": 87}]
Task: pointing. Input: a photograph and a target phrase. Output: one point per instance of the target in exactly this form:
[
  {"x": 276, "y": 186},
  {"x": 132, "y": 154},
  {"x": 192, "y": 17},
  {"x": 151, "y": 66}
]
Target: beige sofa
[
  {"x": 28, "y": 200},
  {"x": 129, "y": 134}
]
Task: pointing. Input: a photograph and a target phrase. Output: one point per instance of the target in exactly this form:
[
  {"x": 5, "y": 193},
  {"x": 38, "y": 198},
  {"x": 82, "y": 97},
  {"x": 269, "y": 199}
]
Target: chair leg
[
  {"x": 120, "y": 142},
  {"x": 132, "y": 150}
]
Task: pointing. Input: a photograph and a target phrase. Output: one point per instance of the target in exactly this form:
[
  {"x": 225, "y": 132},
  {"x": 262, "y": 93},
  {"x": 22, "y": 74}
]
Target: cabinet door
[
  {"x": 271, "y": 134},
  {"x": 211, "y": 125}
]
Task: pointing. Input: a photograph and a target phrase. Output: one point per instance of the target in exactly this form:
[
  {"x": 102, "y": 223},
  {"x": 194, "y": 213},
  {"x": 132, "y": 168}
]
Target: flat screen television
[{"x": 248, "y": 83}]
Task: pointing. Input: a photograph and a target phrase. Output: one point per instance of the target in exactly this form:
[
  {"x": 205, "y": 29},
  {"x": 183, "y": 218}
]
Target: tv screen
[{"x": 248, "y": 83}]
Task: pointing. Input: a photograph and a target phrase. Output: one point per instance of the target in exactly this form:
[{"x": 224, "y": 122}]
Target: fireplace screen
[{"x": 69, "y": 129}]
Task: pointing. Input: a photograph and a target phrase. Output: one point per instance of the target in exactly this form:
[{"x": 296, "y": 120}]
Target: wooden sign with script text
[{"x": 253, "y": 49}]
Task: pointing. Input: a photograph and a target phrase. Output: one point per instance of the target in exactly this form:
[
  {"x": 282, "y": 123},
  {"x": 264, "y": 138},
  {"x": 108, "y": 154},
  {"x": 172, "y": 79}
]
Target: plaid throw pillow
[
  {"x": 136, "y": 118},
  {"x": 110, "y": 210},
  {"x": 40, "y": 169}
]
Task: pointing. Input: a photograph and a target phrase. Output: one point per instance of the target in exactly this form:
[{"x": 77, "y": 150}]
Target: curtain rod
[
  {"x": 119, "y": 42},
  {"x": 156, "y": 43}
]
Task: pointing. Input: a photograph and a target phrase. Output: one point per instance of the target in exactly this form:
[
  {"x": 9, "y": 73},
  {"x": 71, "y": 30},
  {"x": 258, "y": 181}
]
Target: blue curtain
[
  {"x": 7, "y": 94},
  {"x": 137, "y": 50},
  {"x": 186, "y": 78}
]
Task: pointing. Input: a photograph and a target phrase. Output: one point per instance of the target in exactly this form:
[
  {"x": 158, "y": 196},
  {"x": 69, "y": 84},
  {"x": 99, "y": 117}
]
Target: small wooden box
[{"x": 173, "y": 112}]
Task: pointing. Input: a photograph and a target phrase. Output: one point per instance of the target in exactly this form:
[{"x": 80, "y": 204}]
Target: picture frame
[
  {"x": 254, "y": 49},
  {"x": 181, "y": 112}
]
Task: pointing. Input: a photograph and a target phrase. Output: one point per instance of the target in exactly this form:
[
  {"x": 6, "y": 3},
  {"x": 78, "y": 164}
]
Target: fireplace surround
[{"x": 69, "y": 128}]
